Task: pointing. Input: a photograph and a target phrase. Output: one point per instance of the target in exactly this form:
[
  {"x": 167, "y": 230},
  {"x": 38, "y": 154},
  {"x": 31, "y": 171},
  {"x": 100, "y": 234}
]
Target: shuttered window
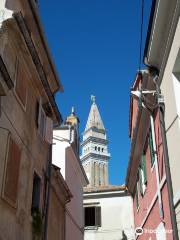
[
  {"x": 44, "y": 123},
  {"x": 143, "y": 174},
  {"x": 143, "y": 165},
  {"x": 137, "y": 196},
  {"x": 141, "y": 180},
  {"x": 21, "y": 83},
  {"x": 151, "y": 147},
  {"x": 98, "y": 216},
  {"x": 12, "y": 173},
  {"x": 92, "y": 216}
]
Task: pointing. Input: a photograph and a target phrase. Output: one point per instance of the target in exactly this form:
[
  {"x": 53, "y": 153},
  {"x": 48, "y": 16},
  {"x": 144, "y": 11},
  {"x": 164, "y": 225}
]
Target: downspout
[
  {"x": 156, "y": 169},
  {"x": 48, "y": 177},
  {"x": 168, "y": 173}
]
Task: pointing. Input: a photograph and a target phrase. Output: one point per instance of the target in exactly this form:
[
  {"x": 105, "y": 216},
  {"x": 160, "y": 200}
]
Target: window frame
[
  {"x": 143, "y": 174},
  {"x": 97, "y": 217},
  {"x": 36, "y": 175},
  {"x": 137, "y": 196},
  {"x": 23, "y": 106},
  {"x": 11, "y": 140}
]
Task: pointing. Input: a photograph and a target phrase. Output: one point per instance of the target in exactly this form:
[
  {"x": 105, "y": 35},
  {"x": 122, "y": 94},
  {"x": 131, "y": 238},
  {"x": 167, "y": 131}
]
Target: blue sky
[{"x": 95, "y": 47}]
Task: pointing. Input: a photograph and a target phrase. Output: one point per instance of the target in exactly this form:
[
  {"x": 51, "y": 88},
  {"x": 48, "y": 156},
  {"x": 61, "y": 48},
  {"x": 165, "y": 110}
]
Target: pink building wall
[{"x": 147, "y": 215}]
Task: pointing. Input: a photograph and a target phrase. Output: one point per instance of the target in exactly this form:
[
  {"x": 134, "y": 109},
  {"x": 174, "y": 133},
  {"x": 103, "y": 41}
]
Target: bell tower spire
[{"x": 95, "y": 155}]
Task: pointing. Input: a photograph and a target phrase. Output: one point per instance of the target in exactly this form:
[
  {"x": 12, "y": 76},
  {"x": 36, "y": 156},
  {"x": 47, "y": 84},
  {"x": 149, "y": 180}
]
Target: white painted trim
[
  {"x": 154, "y": 200},
  {"x": 156, "y": 165}
]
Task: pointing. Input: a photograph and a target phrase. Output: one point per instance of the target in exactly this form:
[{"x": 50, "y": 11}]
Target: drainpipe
[
  {"x": 156, "y": 169},
  {"x": 168, "y": 173},
  {"x": 48, "y": 177}
]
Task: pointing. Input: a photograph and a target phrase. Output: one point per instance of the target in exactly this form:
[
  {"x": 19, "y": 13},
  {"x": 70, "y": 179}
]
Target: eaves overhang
[
  {"x": 162, "y": 26},
  {"x": 37, "y": 19},
  {"x": 36, "y": 60}
]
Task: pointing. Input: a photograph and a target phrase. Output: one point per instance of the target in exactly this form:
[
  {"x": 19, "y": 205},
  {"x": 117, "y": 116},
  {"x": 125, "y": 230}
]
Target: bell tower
[{"x": 95, "y": 155}]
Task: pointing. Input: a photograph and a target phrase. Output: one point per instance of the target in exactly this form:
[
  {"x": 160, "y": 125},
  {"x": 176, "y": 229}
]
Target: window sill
[{"x": 91, "y": 228}]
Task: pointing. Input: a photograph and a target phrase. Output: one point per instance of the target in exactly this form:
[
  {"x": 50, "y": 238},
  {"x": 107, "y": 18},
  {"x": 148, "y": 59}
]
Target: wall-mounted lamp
[{"x": 150, "y": 104}]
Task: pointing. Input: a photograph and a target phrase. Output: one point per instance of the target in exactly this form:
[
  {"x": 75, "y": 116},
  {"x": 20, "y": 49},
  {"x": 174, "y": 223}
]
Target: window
[
  {"x": 151, "y": 147},
  {"x": 102, "y": 149},
  {"x": 95, "y": 148},
  {"x": 12, "y": 173},
  {"x": 142, "y": 174},
  {"x": 137, "y": 196},
  {"x": 99, "y": 149},
  {"x": 92, "y": 216},
  {"x": 44, "y": 123},
  {"x": 41, "y": 121},
  {"x": 36, "y": 193},
  {"x": 21, "y": 83}
]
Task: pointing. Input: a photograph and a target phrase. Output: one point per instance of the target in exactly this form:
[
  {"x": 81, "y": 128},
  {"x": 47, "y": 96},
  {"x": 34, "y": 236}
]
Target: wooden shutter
[
  {"x": 98, "y": 216},
  {"x": 21, "y": 83},
  {"x": 12, "y": 173},
  {"x": 151, "y": 147},
  {"x": 144, "y": 168},
  {"x": 42, "y": 122},
  {"x": 49, "y": 130},
  {"x": 137, "y": 196},
  {"x": 140, "y": 178}
]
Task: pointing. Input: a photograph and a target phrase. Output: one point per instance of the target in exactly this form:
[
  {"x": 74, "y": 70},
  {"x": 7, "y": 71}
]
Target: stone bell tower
[{"x": 95, "y": 155}]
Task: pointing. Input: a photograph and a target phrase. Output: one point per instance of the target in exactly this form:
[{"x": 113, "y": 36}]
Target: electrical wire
[{"x": 141, "y": 33}]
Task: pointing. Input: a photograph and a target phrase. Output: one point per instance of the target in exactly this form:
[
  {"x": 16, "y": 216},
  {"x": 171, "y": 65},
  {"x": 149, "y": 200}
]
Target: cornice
[{"x": 94, "y": 139}]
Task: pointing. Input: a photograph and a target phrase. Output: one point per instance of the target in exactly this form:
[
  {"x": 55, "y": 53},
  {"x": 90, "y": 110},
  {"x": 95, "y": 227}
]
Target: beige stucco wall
[{"x": 171, "y": 118}]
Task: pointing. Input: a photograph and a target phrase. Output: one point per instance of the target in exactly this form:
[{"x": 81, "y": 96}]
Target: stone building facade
[{"x": 28, "y": 82}]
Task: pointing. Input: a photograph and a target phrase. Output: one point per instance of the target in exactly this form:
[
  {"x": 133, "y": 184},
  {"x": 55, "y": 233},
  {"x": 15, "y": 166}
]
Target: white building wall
[
  {"x": 74, "y": 219},
  {"x": 116, "y": 216},
  {"x": 58, "y": 152},
  {"x": 64, "y": 157},
  {"x": 171, "y": 91}
]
